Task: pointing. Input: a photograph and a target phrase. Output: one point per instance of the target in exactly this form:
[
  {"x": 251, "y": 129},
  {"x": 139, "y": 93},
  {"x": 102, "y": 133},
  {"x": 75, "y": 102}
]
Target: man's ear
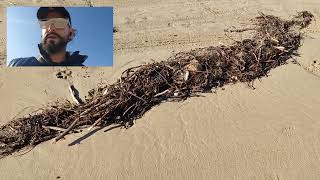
[{"x": 71, "y": 34}]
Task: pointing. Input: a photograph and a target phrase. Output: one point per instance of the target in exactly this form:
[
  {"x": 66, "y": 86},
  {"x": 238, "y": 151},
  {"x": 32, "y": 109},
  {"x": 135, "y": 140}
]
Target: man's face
[{"x": 55, "y": 39}]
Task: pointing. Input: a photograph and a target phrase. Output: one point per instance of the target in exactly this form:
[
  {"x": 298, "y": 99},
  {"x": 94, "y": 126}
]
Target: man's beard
[{"x": 53, "y": 46}]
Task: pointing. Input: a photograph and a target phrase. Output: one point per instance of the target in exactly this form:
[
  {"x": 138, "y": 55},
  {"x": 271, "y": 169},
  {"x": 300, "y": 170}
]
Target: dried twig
[
  {"x": 239, "y": 30},
  {"x": 54, "y": 128},
  {"x": 67, "y": 130},
  {"x": 74, "y": 94}
]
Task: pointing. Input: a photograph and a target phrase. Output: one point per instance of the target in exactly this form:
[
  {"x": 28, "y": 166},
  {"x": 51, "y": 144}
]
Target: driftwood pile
[{"x": 183, "y": 75}]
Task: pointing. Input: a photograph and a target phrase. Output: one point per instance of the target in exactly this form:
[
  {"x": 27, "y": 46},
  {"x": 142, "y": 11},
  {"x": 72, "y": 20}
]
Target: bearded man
[{"x": 57, "y": 32}]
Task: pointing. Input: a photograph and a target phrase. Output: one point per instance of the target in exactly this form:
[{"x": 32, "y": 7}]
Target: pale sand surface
[{"x": 269, "y": 133}]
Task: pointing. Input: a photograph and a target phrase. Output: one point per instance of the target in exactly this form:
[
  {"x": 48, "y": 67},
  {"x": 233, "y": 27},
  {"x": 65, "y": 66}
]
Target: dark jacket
[{"x": 75, "y": 59}]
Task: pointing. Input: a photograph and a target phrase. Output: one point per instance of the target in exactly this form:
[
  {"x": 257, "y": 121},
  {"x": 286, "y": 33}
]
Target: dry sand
[{"x": 271, "y": 132}]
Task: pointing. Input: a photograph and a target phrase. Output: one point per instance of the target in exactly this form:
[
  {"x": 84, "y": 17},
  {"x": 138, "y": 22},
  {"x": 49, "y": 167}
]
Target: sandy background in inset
[{"x": 270, "y": 133}]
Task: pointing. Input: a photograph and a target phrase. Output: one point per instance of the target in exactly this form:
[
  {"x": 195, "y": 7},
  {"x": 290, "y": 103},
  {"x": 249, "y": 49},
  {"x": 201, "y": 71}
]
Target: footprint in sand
[
  {"x": 288, "y": 131},
  {"x": 64, "y": 74},
  {"x": 315, "y": 67}
]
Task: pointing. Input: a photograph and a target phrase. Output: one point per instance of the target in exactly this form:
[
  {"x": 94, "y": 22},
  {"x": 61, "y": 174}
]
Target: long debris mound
[{"x": 183, "y": 75}]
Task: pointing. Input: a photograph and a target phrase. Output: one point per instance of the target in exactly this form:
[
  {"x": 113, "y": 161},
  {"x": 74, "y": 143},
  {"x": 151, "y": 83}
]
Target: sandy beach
[{"x": 270, "y": 133}]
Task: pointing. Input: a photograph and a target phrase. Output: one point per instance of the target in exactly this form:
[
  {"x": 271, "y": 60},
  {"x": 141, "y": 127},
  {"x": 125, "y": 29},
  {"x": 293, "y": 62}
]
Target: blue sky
[{"x": 94, "y": 36}]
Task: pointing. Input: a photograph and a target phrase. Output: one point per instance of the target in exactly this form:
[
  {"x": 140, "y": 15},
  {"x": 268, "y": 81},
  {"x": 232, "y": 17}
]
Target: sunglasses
[{"x": 58, "y": 23}]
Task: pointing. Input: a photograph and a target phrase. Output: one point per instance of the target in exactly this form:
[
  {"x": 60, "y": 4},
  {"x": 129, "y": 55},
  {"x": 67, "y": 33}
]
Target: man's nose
[{"x": 50, "y": 28}]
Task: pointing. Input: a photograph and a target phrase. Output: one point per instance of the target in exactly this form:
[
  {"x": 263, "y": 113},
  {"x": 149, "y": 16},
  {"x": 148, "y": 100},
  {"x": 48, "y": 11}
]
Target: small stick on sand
[
  {"x": 94, "y": 124},
  {"x": 239, "y": 30},
  {"x": 137, "y": 96},
  {"x": 58, "y": 128},
  {"x": 161, "y": 93},
  {"x": 105, "y": 91},
  {"x": 54, "y": 128},
  {"x": 67, "y": 130},
  {"x": 74, "y": 94},
  {"x": 97, "y": 122}
]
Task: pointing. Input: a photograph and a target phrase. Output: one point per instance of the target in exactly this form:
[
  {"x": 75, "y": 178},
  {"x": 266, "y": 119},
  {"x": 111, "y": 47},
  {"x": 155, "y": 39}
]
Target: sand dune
[{"x": 271, "y": 132}]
